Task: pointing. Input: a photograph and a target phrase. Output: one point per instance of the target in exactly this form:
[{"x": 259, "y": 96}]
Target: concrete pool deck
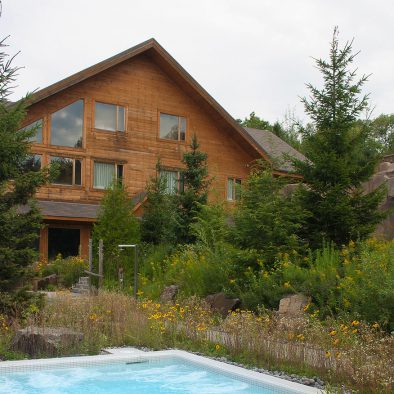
[{"x": 132, "y": 354}]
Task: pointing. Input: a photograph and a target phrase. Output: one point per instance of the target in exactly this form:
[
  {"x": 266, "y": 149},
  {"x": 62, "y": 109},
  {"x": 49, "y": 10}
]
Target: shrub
[{"x": 266, "y": 219}]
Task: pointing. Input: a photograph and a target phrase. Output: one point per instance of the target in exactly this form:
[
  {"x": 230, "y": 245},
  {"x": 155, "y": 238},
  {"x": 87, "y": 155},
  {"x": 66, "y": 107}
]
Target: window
[
  {"x": 70, "y": 171},
  {"x": 172, "y": 127},
  {"x": 67, "y": 125},
  {"x": 109, "y": 117},
  {"x": 105, "y": 174},
  {"x": 37, "y": 126},
  {"x": 32, "y": 163},
  {"x": 174, "y": 181},
  {"x": 233, "y": 189}
]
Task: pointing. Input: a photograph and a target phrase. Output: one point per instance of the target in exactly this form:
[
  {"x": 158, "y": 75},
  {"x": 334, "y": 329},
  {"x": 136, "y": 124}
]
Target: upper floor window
[
  {"x": 105, "y": 174},
  {"x": 233, "y": 189},
  {"x": 109, "y": 117},
  {"x": 172, "y": 127},
  {"x": 70, "y": 171},
  {"x": 67, "y": 125},
  {"x": 173, "y": 181},
  {"x": 32, "y": 163},
  {"x": 37, "y": 127}
]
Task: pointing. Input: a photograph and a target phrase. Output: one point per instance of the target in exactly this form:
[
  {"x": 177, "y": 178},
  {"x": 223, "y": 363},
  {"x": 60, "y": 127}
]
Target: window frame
[
  {"x": 180, "y": 116},
  {"x": 237, "y": 184},
  {"x": 49, "y": 125},
  {"x": 117, "y": 105},
  {"x": 73, "y": 184},
  {"x": 116, "y": 172}
]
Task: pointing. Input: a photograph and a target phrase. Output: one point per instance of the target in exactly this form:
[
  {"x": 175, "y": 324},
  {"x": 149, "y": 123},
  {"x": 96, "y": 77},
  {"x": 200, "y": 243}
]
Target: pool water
[{"x": 165, "y": 376}]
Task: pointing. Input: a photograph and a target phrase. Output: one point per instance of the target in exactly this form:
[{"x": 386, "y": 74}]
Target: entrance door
[{"x": 64, "y": 241}]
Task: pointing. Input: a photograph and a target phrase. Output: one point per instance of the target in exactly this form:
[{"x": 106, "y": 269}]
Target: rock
[
  {"x": 385, "y": 166},
  {"x": 41, "y": 341},
  {"x": 219, "y": 302},
  {"x": 293, "y": 305},
  {"x": 41, "y": 283},
  {"x": 169, "y": 293}
]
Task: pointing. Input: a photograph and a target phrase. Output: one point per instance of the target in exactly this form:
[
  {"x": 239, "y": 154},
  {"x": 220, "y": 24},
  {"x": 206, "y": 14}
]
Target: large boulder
[
  {"x": 41, "y": 341},
  {"x": 222, "y": 304},
  {"x": 169, "y": 293},
  {"x": 293, "y": 305}
]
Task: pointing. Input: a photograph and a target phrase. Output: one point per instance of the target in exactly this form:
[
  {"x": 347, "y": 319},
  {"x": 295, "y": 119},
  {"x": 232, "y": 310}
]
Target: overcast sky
[{"x": 250, "y": 55}]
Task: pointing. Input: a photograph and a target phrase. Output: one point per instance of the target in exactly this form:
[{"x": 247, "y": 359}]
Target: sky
[{"x": 250, "y": 55}]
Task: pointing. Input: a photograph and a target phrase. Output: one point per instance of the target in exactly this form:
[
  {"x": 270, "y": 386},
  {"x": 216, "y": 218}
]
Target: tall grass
[{"x": 351, "y": 353}]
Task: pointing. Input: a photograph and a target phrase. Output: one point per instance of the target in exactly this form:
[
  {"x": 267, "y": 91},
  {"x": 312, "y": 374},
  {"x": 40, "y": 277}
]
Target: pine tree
[
  {"x": 341, "y": 156},
  {"x": 116, "y": 223},
  {"x": 159, "y": 221},
  {"x": 20, "y": 219},
  {"x": 266, "y": 218},
  {"x": 195, "y": 191}
]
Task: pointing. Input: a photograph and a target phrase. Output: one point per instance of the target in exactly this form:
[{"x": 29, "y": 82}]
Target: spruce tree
[
  {"x": 158, "y": 224},
  {"x": 340, "y": 156},
  {"x": 195, "y": 190},
  {"x": 20, "y": 219}
]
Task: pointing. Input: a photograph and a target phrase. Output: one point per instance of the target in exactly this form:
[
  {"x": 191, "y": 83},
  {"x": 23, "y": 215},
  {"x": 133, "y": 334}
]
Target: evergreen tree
[
  {"x": 195, "y": 190},
  {"x": 266, "y": 218},
  {"x": 116, "y": 223},
  {"x": 159, "y": 221},
  {"x": 20, "y": 220},
  {"x": 341, "y": 156}
]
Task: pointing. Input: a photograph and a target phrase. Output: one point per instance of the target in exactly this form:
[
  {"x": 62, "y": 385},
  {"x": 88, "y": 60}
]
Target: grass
[{"x": 353, "y": 354}]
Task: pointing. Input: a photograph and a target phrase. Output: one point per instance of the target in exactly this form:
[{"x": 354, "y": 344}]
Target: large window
[
  {"x": 173, "y": 181},
  {"x": 105, "y": 174},
  {"x": 37, "y": 127},
  {"x": 70, "y": 171},
  {"x": 32, "y": 163},
  {"x": 172, "y": 127},
  {"x": 109, "y": 117},
  {"x": 67, "y": 125},
  {"x": 233, "y": 189}
]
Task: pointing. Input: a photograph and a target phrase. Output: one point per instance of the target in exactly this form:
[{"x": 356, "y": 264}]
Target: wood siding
[{"x": 145, "y": 89}]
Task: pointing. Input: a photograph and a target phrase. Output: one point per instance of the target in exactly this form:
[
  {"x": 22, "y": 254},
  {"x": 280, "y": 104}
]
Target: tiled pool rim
[{"x": 131, "y": 354}]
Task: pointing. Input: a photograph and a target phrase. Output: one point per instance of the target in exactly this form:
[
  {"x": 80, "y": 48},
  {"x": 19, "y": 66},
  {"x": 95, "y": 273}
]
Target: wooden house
[{"x": 114, "y": 120}]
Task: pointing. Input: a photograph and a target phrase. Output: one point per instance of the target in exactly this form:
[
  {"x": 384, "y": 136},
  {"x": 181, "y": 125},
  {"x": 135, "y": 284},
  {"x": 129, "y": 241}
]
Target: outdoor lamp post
[{"x": 121, "y": 247}]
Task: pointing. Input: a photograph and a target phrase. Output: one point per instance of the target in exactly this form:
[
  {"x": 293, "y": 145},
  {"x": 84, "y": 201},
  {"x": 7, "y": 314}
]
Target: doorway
[{"x": 64, "y": 241}]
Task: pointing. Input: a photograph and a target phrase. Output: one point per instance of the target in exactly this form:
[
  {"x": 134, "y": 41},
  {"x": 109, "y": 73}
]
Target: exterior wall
[{"x": 144, "y": 90}]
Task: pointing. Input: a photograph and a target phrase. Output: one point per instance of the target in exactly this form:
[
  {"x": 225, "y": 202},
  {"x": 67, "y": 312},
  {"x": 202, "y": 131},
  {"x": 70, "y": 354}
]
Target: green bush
[{"x": 68, "y": 270}]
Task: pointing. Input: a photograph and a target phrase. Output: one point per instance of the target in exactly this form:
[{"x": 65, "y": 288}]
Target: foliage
[
  {"x": 266, "y": 219},
  {"x": 19, "y": 217},
  {"x": 340, "y": 157},
  {"x": 356, "y": 281},
  {"x": 159, "y": 221},
  {"x": 195, "y": 192},
  {"x": 382, "y": 128},
  {"x": 19, "y": 303},
  {"x": 68, "y": 270},
  {"x": 116, "y": 224},
  {"x": 210, "y": 227}
]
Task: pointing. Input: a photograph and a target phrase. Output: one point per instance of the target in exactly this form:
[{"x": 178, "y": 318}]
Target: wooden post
[
  {"x": 90, "y": 255},
  {"x": 101, "y": 256},
  {"x": 135, "y": 272}
]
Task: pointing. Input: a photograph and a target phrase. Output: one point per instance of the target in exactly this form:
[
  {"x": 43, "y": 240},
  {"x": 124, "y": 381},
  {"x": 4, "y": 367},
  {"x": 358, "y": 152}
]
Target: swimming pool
[{"x": 164, "y": 372}]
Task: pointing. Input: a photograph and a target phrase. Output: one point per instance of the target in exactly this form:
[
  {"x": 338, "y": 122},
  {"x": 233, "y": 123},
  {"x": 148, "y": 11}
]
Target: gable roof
[
  {"x": 157, "y": 53},
  {"x": 275, "y": 148}
]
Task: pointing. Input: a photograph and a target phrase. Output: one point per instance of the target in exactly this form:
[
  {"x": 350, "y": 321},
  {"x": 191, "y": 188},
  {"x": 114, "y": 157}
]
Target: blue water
[{"x": 166, "y": 377}]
